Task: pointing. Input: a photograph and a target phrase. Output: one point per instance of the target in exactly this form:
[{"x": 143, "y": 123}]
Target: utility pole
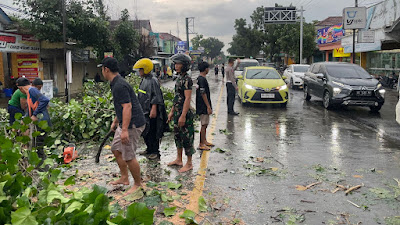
[
  {"x": 301, "y": 35},
  {"x": 189, "y": 29},
  {"x": 65, "y": 49},
  {"x": 187, "y": 33},
  {"x": 354, "y": 39}
]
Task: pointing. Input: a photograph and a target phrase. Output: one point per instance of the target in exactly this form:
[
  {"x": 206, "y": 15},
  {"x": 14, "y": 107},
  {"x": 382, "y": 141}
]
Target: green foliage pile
[
  {"x": 90, "y": 118},
  {"x": 30, "y": 197}
]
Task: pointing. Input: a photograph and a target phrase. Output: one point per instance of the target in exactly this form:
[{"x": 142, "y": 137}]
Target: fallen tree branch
[
  {"x": 353, "y": 188},
  {"x": 353, "y": 203},
  {"x": 313, "y": 184}
]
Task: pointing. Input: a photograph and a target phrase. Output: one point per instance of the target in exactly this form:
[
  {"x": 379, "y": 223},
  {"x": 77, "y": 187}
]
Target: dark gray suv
[{"x": 343, "y": 84}]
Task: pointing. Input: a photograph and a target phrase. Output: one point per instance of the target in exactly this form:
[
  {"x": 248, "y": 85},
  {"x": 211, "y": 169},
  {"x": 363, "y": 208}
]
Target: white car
[
  {"x": 243, "y": 64},
  {"x": 295, "y": 74}
]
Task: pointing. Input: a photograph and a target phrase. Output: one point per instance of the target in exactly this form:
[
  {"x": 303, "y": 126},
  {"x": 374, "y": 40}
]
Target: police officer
[{"x": 152, "y": 102}]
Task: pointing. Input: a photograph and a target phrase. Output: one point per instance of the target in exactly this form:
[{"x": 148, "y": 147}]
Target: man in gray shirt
[{"x": 231, "y": 86}]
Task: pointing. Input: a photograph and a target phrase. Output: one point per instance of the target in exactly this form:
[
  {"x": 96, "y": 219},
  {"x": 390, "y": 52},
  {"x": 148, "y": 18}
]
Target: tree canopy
[
  {"x": 212, "y": 46},
  {"x": 271, "y": 39}
]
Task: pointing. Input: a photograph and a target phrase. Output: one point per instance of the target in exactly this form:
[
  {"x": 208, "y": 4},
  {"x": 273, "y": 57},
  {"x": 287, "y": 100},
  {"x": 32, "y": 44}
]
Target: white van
[{"x": 243, "y": 64}]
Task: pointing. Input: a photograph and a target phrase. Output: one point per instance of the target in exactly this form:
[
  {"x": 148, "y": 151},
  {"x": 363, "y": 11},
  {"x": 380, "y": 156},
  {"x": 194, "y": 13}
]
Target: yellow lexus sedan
[{"x": 259, "y": 84}]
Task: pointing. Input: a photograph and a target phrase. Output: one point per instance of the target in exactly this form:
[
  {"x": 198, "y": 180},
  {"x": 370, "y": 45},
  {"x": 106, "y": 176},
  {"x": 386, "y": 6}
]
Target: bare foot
[
  {"x": 176, "y": 162},
  {"x": 209, "y": 144},
  {"x": 186, "y": 168},
  {"x": 120, "y": 181},
  {"x": 132, "y": 189}
]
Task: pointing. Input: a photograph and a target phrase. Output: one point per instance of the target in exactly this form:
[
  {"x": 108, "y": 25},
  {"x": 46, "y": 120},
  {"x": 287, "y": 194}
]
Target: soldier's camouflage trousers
[{"x": 184, "y": 136}]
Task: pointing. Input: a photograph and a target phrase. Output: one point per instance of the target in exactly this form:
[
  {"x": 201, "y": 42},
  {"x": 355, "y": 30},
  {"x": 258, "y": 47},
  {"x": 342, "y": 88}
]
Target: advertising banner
[
  {"x": 330, "y": 34},
  {"x": 10, "y": 42},
  {"x": 364, "y": 47},
  {"x": 339, "y": 53},
  {"x": 355, "y": 17},
  {"x": 28, "y": 66},
  {"x": 181, "y": 47}
]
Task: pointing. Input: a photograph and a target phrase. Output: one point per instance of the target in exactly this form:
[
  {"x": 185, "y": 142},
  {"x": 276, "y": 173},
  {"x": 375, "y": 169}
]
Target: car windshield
[
  {"x": 262, "y": 74},
  {"x": 300, "y": 69},
  {"x": 243, "y": 65},
  {"x": 347, "y": 72}
]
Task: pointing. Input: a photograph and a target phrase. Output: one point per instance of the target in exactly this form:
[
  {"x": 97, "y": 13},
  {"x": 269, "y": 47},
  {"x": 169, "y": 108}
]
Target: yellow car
[{"x": 259, "y": 84}]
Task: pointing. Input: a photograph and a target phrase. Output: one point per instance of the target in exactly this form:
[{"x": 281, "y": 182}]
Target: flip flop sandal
[{"x": 210, "y": 145}]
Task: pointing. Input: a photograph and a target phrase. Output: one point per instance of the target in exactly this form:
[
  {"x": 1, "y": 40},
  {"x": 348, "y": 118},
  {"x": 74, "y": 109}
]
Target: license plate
[
  {"x": 264, "y": 95},
  {"x": 364, "y": 93}
]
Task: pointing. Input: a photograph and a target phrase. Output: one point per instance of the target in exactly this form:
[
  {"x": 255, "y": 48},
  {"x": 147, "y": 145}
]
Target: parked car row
[{"x": 335, "y": 83}]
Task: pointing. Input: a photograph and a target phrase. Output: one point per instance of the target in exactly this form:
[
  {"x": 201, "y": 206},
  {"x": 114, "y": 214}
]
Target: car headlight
[
  {"x": 378, "y": 86},
  {"x": 281, "y": 87},
  {"x": 338, "y": 84},
  {"x": 248, "y": 86},
  {"x": 382, "y": 92},
  {"x": 336, "y": 91}
]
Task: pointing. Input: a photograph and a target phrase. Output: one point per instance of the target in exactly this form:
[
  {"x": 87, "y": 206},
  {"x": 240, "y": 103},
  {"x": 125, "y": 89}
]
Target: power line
[{"x": 10, "y": 8}]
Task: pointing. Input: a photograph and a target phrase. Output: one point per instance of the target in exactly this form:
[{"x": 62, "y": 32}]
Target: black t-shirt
[
  {"x": 202, "y": 87},
  {"x": 123, "y": 93}
]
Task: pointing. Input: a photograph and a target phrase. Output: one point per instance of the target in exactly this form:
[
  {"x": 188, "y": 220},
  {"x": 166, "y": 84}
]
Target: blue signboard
[{"x": 181, "y": 47}]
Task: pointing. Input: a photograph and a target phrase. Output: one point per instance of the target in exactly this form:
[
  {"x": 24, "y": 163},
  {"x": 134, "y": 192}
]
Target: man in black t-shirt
[
  {"x": 128, "y": 125},
  {"x": 203, "y": 105}
]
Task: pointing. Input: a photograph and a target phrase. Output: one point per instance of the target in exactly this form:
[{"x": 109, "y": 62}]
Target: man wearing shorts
[
  {"x": 203, "y": 105},
  {"x": 181, "y": 112},
  {"x": 128, "y": 125}
]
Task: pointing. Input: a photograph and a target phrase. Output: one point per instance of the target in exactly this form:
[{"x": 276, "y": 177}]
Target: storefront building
[
  {"x": 329, "y": 42},
  {"x": 380, "y": 55}
]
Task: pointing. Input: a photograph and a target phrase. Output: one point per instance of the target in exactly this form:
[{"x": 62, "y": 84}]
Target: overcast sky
[{"x": 214, "y": 18}]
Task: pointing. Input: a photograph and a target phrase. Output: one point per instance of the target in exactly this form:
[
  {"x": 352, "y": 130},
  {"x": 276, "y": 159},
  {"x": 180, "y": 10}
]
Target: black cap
[
  {"x": 37, "y": 81},
  {"x": 22, "y": 81},
  {"x": 110, "y": 63}
]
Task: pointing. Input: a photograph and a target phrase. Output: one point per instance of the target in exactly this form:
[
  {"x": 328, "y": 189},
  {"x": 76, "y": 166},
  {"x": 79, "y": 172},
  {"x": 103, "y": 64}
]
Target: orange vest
[{"x": 31, "y": 106}]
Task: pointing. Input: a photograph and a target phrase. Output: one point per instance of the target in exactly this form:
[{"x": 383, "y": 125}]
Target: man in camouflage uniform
[{"x": 182, "y": 114}]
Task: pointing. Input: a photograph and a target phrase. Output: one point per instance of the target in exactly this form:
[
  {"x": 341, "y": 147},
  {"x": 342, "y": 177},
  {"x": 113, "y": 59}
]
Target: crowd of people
[{"x": 140, "y": 115}]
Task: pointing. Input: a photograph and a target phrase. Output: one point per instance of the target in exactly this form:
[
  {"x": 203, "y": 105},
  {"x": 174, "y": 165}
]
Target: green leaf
[
  {"x": 66, "y": 115},
  {"x": 23, "y": 216},
  {"x": 85, "y": 135},
  {"x": 27, "y": 120},
  {"x": 2, "y": 184},
  {"x": 164, "y": 222},
  {"x": 36, "y": 133},
  {"x": 101, "y": 203},
  {"x": 189, "y": 216},
  {"x": 97, "y": 190},
  {"x": 173, "y": 185},
  {"x": 138, "y": 194},
  {"x": 43, "y": 125},
  {"x": 70, "y": 181},
  {"x": 18, "y": 116},
  {"x": 169, "y": 211},
  {"x": 54, "y": 175},
  {"x": 140, "y": 213},
  {"x": 33, "y": 158},
  {"x": 53, "y": 194},
  {"x": 202, "y": 204},
  {"x": 3, "y": 198},
  {"x": 74, "y": 206}
]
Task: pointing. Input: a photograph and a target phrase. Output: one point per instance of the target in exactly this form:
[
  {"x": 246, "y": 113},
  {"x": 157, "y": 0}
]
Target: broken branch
[
  {"x": 353, "y": 203},
  {"x": 353, "y": 188},
  {"x": 313, "y": 184}
]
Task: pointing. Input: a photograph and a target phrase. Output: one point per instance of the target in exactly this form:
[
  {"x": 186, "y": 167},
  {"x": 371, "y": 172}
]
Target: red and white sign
[
  {"x": 28, "y": 66},
  {"x": 10, "y": 42}
]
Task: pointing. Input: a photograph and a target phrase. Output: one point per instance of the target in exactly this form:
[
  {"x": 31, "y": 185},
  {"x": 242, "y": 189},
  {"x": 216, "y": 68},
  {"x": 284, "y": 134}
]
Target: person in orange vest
[{"x": 37, "y": 110}]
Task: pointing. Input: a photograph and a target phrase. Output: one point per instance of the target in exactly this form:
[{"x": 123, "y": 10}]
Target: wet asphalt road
[{"x": 269, "y": 150}]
